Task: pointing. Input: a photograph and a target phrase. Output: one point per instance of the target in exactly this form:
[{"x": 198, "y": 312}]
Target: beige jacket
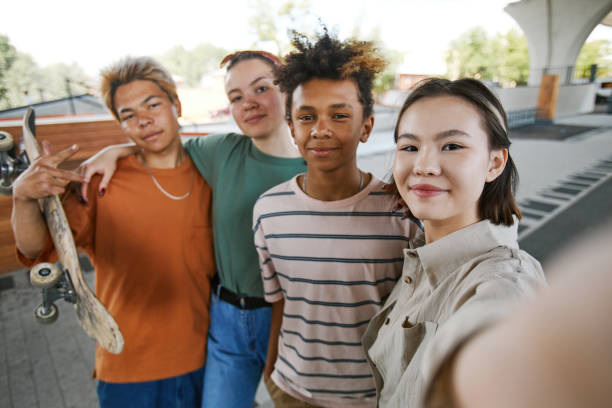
[{"x": 449, "y": 290}]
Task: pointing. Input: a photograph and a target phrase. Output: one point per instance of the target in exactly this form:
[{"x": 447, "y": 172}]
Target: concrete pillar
[{"x": 556, "y": 31}]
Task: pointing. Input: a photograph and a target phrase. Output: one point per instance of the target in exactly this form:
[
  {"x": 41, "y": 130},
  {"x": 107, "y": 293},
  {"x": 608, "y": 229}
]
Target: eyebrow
[
  {"x": 259, "y": 78},
  {"x": 333, "y": 106},
  {"x": 147, "y": 99},
  {"x": 442, "y": 135}
]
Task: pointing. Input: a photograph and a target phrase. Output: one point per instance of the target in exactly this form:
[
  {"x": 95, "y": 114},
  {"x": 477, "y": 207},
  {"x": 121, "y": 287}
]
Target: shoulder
[
  {"x": 215, "y": 140},
  {"x": 503, "y": 272},
  {"x": 283, "y": 190}
]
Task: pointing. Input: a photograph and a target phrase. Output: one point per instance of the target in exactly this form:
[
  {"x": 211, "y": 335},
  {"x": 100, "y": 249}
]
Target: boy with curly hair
[{"x": 329, "y": 244}]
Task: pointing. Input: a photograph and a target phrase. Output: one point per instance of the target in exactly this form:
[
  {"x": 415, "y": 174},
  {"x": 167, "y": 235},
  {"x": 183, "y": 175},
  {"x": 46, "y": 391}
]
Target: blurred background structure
[{"x": 549, "y": 62}]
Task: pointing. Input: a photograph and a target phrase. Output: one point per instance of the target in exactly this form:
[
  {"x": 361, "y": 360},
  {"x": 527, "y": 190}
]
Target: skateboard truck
[
  {"x": 10, "y": 166},
  {"x": 55, "y": 285}
]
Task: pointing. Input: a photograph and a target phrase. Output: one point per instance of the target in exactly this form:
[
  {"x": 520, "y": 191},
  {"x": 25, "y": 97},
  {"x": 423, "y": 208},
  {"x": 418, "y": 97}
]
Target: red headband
[{"x": 269, "y": 56}]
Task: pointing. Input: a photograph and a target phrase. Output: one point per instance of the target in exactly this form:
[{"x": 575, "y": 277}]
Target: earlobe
[
  {"x": 290, "y": 124},
  {"x": 497, "y": 163},
  {"x": 176, "y": 108},
  {"x": 366, "y": 130}
]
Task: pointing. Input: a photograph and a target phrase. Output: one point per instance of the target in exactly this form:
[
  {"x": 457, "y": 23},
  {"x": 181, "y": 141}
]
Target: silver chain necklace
[
  {"x": 360, "y": 182},
  {"x": 164, "y": 192}
]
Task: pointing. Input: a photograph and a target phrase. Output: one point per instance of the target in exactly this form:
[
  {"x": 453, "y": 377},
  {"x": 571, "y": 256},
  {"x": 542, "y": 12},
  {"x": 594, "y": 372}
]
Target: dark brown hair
[
  {"x": 496, "y": 202},
  {"x": 232, "y": 59},
  {"x": 330, "y": 58}
]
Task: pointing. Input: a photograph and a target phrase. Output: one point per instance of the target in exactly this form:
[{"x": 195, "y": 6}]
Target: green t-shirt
[{"x": 238, "y": 174}]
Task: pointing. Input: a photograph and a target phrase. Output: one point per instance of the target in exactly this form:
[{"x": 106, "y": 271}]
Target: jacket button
[
  {"x": 387, "y": 321},
  {"x": 408, "y": 279},
  {"x": 412, "y": 254}
]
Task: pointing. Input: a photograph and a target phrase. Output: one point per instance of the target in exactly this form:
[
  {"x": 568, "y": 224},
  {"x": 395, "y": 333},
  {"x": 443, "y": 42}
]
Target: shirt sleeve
[
  {"x": 480, "y": 305},
  {"x": 205, "y": 151},
  {"x": 271, "y": 284}
]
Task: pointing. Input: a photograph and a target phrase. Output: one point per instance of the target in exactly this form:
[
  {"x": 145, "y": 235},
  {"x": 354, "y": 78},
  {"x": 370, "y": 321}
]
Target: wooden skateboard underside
[{"x": 92, "y": 315}]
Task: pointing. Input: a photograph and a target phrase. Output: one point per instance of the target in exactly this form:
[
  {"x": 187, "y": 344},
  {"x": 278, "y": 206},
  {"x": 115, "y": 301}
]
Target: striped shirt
[{"x": 334, "y": 263}]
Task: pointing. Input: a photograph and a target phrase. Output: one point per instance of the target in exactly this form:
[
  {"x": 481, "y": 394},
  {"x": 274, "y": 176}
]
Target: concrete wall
[{"x": 573, "y": 99}]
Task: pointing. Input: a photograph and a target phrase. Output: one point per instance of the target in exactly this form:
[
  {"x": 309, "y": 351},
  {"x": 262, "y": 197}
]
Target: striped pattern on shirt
[{"x": 334, "y": 263}]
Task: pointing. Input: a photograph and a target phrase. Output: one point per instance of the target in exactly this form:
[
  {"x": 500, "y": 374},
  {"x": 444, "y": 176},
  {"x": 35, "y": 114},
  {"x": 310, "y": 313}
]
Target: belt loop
[
  {"x": 218, "y": 290},
  {"x": 242, "y": 302}
]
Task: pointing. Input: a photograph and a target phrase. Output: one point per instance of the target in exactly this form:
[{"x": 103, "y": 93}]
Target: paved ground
[{"x": 566, "y": 188}]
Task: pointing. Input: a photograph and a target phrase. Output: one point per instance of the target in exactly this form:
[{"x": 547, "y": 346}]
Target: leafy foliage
[
  {"x": 20, "y": 74},
  {"x": 596, "y": 52},
  {"x": 273, "y": 21},
  {"x": 503, "y": 58},
  {"x": 192, "y": 64}
]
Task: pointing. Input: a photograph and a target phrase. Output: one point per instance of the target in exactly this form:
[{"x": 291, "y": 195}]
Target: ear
[
  {"x": 366, "y": 129},
  {"x": 497, "y": 163},
  {"x": 291, "y": 129},
  {"x": 176, "y": 108}
]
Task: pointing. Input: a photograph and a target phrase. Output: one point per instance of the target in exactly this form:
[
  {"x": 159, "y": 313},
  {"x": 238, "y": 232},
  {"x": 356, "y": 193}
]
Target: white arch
[{"x": 556, "y": 31}]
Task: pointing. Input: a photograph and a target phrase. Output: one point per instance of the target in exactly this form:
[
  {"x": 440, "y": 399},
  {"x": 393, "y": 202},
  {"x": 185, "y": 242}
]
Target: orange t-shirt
[{"x": 154, "y": 261}]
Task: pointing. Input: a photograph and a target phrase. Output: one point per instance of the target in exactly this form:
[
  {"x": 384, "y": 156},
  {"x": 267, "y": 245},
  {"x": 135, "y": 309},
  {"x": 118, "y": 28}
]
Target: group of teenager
[{"x": 232, "y": 255}]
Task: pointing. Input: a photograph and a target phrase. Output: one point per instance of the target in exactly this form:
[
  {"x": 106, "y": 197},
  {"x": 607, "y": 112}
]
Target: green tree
[
  {"x": 515, "y": 63},
  {"x": 503, "y": 58},
  {"x": 8, "y": 54},
  {"x": 473, "y": 54},
  {"x": 594, "y": 52},
  {"x": 273, "y": 21},
  {"x": 53, "y": 80},
  {"x": 23, "y": 76},
  {"x": 192, "y": 64}
]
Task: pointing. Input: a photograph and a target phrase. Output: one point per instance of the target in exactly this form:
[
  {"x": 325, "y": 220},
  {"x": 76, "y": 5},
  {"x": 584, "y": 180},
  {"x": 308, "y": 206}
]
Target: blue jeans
[
  {"x": 183, "y": 391},
  {"x": 237, "y": 347}
]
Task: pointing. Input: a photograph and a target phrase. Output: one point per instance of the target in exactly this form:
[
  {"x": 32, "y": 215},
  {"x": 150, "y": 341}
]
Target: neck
[
  {"x": 437, "y": 229},
  {"x": 334, "y": 185},
  {"x": 169, "y": 158},
  {"x": 276, "y": 144}
]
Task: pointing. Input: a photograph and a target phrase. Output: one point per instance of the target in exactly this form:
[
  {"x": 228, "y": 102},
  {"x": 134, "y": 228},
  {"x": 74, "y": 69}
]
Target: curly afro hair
[{"x": 330, "y": 58}]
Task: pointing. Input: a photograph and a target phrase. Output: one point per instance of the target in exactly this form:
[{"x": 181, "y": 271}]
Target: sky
[{"x": 94, "y": 33}]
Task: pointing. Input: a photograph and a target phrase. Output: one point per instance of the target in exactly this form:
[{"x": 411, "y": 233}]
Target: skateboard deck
[{"x": 92, "y": 315}]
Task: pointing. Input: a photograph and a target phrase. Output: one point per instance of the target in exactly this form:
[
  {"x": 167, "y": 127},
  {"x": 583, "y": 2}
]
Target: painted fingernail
[
  {"x": 102, "y": 192},
  {"x": 74, "y": 147}
]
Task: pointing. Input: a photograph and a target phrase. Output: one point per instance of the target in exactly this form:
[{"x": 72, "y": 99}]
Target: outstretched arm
[
  {"x": 41, "y": 179},
  {"x": 555, "y": 350},
  {"x": 105, "y": 163}
]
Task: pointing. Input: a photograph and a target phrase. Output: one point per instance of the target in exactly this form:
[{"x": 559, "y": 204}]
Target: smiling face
[
  {"x": 148, "y": 116},
  {"x": 256, "y": 103},
  {"x": 327, "y": 123},
  {"x": 443, "y": 160}
]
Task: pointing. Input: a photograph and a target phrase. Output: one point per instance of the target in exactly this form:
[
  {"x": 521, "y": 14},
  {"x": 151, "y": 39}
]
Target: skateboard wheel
[
  {"x": 6, "y": 141},
  {"x": 44, "y": 275},
  {"x": 46, "y": 315},
  {"x": 6, "y": 189}
]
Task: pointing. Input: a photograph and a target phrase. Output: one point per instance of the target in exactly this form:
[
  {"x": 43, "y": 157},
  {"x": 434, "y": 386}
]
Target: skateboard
[{"x": 57, "y": 283}]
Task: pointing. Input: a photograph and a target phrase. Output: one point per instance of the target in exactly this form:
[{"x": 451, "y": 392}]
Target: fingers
[
  {"x": 42, "y": 180},
  {"x": 59, "y": 157},
  {"x": 46, "y": 148}
]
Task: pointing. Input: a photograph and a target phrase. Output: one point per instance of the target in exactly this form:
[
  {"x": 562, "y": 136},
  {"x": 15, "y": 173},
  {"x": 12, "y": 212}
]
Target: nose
[
  {"x": 320, "y": 130},
  {"x": 249, "y": 102},
  {"x": 144, "y": 119},
  {"x": 427, "y": 163}
]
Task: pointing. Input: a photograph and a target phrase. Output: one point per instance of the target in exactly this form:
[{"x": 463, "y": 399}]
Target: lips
[
  {"x": 322, "y": 151},
  {"x": 152, "y": 136},
  {"x": 427, "y": 190},
  {"x": 254, "y": 118}
]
